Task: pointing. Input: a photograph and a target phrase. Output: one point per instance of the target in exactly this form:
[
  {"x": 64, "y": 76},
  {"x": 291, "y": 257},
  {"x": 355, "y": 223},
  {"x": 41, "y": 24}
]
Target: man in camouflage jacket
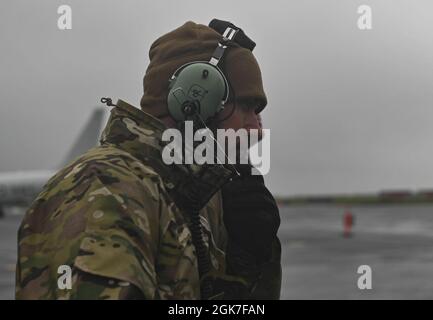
[{"x": 118, "y": 217}]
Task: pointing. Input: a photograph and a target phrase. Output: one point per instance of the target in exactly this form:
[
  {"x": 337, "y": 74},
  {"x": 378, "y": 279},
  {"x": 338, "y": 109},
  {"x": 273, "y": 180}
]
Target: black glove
[{"x": 251, "y": 215}]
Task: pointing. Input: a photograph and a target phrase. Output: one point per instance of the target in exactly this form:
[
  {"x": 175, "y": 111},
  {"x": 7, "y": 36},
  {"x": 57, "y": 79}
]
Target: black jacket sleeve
[{"x": 252, "y": 219}]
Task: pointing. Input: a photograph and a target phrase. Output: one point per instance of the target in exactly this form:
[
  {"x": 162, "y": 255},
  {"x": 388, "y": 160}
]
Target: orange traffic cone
[{"x": 347, "y": 223}]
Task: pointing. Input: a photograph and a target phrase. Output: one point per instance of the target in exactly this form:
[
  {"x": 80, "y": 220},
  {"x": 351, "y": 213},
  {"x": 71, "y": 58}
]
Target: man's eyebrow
[
  {"x": 252, "y": 103},
  {"x": 248, "y": 101}
]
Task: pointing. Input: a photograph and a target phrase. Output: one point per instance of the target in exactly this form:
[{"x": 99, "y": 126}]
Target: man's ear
[{"x": 228, "y": 111}]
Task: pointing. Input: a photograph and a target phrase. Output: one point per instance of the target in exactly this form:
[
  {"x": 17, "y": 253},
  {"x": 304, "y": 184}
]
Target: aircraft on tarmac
[{"x": 20, "y": 188}]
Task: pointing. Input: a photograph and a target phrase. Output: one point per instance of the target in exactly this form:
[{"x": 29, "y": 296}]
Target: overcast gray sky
[{"x": 349, "y": 110}]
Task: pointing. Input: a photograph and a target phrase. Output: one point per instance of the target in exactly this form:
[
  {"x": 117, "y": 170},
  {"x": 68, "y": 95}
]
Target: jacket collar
[{"x": 139, "y": 134}]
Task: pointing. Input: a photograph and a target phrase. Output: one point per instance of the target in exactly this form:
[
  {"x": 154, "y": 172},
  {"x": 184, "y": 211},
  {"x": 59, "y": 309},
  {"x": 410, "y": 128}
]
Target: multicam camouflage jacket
[{"x": 114, "y": 217}]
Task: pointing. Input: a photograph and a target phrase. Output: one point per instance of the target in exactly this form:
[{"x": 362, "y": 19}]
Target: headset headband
[
  {"x": 239, "y": 37},
  {"x": 228, "y": 35}
]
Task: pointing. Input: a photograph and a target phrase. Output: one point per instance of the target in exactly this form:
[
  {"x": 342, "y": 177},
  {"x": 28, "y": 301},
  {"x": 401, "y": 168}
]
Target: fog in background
[{"x": 349, "y": 110}]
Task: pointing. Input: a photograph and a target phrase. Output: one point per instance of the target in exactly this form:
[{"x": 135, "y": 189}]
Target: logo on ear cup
[{"x": 197, "y": 92}]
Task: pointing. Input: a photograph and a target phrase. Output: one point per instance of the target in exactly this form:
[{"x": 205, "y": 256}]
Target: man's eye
[
  {"x": 248, "y": 106},
  {"x": 244, "y": 107}
]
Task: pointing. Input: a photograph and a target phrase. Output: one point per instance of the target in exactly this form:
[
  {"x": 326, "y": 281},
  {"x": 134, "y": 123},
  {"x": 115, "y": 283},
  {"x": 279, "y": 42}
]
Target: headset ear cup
[{"x": 198, "y": 83}]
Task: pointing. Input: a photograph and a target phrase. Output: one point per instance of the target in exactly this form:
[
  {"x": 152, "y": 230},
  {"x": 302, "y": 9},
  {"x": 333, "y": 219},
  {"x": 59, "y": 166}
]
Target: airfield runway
[{"x": 396, "y": 241}]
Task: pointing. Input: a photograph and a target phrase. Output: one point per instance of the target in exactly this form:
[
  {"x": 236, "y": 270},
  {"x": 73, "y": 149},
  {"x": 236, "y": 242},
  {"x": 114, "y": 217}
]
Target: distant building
[
  {"x": 395, "y": 194},
  {"x": 428, "y": 193}
]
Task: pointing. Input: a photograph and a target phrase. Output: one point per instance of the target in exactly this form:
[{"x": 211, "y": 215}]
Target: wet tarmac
[{"x": 318, "y": 262}]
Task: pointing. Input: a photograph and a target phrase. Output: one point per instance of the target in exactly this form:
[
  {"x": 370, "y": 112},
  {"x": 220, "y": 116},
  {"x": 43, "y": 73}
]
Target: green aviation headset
[{"x": 199, "y": 90}]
